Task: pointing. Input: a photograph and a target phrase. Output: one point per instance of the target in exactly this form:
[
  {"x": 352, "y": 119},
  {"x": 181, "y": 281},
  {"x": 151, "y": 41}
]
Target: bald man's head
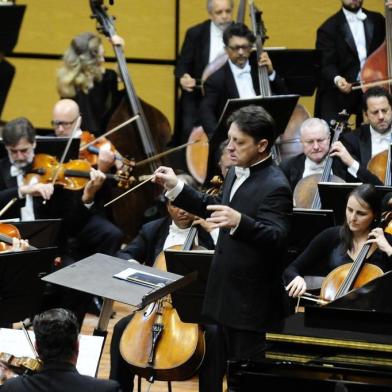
[{"x": 65, "y": 113}]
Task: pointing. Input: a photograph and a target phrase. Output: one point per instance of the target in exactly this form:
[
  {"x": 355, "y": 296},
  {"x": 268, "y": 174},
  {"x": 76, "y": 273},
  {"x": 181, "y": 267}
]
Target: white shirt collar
[{"x": 354, "y": 16}]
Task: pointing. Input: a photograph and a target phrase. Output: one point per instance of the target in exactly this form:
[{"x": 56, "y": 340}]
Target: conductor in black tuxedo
[
  {"x": 345, "y": 40},
  {"x": 245, "y": 294},
  {"x": 56, "y": 332},
  {"x": 203, "y": 43},
  {"x": 151, "y": 240},
  {"x": 238, "y": 78}
]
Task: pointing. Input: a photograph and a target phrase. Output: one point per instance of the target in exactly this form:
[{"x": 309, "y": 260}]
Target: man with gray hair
[{"x": 315, "y": 139}]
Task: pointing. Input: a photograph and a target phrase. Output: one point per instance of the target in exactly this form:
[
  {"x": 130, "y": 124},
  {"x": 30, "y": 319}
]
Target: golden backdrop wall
[{"x": 148, "y": 27}]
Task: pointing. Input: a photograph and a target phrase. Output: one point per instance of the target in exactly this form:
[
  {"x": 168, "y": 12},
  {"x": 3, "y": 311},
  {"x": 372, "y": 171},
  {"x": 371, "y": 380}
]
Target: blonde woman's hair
[{"x": 81, "y": 66}]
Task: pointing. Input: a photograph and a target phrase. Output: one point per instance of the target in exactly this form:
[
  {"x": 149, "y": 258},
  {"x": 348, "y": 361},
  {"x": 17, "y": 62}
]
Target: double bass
[{"x": 137, "y": 140}]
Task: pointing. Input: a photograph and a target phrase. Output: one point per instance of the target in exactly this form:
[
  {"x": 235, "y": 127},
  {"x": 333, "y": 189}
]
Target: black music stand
[
  {"x": 305, "y": 225},
  {"x": 11, "y": 17},
  {"x": 280, "y": 107},
  {"x": 334, "y": 196},
  {"x": 300, "y": 68},
  {"x": 41, "y": 233},
  {"x": 21, "y": 287},
  {"x": 188, "y": 301},
  {"x": 95, "y": 275},
  {"x": 55, "y": 146}
]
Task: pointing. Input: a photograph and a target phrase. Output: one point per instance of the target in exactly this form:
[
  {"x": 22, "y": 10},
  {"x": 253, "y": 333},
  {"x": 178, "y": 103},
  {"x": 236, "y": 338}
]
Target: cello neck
[
  {"x": 354, "y": 271},
  {"x": 259, "y": 31},
  {"x": 190, "y": 238},
  {"x": 241, "y": 11}
]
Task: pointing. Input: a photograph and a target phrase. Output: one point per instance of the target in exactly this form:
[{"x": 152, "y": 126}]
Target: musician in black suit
[
  {"x": 203, "y": 43},
  {"x": 357, "y": 148},
  {"x": 345, "y": 40},
  {"x": 315, "y": 139},
  {"x": 151, "y": 240},
  {"x": 238, "y": 78},
  {"x": 244, "y": 295},
  {"x": 56, "y": 333}
]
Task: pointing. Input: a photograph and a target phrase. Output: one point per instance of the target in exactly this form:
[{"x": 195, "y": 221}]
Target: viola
[
  {"x": 72, "y": 175},
  {"x": 157, "y": 344},
  {"x": 18, "y": 365}
]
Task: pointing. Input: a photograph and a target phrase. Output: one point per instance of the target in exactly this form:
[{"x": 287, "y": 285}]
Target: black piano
[{"x": 343, "y": 346}]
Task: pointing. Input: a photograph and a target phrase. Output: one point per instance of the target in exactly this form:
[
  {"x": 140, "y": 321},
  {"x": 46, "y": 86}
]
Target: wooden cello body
[
  {"x": 141, "y": 139},
  {"x": 157, "y": 344}
]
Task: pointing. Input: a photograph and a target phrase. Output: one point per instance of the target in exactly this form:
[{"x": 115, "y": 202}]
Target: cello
[
  {"x": 137, "y": 140},
  {"x": 156, "y": 343},
  {"x": 306, "y": 193}
]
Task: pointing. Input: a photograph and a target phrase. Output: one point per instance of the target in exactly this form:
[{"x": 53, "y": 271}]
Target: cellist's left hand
[
  {"x": 376, "y": 236},
  {"x": 266, "y": 61}
]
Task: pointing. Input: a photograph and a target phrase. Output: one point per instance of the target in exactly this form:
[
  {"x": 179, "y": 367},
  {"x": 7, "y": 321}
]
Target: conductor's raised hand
[
  {"x": 223, "y": 216},
  {"x": 166, "y": 177}
]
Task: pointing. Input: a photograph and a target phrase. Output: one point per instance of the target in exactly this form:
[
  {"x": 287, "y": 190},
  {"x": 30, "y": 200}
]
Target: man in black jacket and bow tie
[
  {"x": 345, "y": 40},
  {"x": 245, "y": 294}
]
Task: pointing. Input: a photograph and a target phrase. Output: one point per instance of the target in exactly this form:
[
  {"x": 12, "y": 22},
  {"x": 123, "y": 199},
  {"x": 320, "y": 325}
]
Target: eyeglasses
[
  {"x": 65, "y": 124},
  {"x": 239, "y": 47}
]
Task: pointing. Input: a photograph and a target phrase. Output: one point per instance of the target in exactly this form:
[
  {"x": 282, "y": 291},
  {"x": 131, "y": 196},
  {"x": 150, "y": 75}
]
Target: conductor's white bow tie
[{"x": 242, "y": 172}]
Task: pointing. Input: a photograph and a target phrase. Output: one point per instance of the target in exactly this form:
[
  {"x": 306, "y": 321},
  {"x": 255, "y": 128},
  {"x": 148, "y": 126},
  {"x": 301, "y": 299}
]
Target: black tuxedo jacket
[
  {"x": 220, "y": 87},
  {"x": 59, "y": 377},
  {"x": 339, "y": 56},
  {"x": 149, "y": 242},
  {"x": 244, "y": 289},
  {"x": 293, "y": 168}
]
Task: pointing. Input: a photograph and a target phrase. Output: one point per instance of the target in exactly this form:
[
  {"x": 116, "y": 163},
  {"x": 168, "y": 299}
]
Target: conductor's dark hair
[
  {"x": 17, "y": 129},
  {"x": 367, "y": 196},
  {"x": 256, "y": 122},
  {"x": 238, "y": 30},
  {"x": 375, "y": 92},
  {"x": 56, "y": 333}
]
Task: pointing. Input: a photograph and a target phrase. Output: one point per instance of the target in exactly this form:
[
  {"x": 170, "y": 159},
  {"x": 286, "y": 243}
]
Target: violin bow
[
  {"x": 129, "y": 121},
  {"x": 29, "y": 340},
  {"x": 8, "y": 206},
  {"x": 75, "y": 128},
  {"x": 371, "y": 84}
]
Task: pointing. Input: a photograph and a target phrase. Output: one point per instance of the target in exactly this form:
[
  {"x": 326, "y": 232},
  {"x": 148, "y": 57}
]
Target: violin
[
  {"x": 17, "y": 365},
  {"x": 72, "y": 175},
  {"x": 156, "y": 343},
  {"x": 8, "y": 233}
]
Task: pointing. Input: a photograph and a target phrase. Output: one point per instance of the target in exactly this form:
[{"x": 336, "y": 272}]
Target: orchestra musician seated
[
  {"x": 78, "y": 221},
  {"x": 339, "y": 245},
  {"x": 56, "y": 342},
  {"x": 153, "y": 238},
  {"x": 315, "y": 138}
]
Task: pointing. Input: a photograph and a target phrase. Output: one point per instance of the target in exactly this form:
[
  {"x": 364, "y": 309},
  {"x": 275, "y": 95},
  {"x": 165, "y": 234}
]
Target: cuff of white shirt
[
  {"x": 88, "y": 205},
  {"x": 353, "y": 169},
  {"x": 173, "y": 193},
  {"x": 336, "y": 79},
  {"x": 272, "y": 76}
]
